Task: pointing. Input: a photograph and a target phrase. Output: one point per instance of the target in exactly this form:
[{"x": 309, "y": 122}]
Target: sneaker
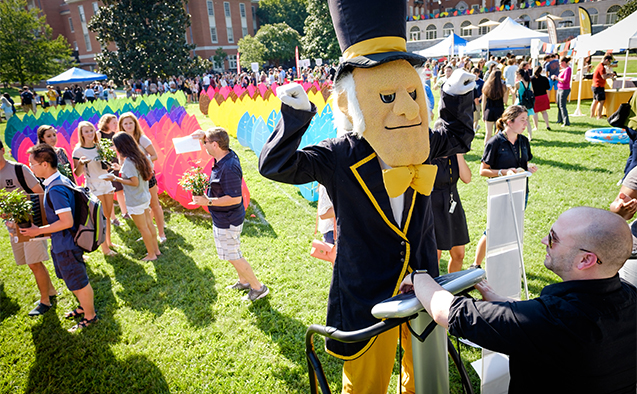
[
  {"x": 41, "y": 309},
  {"x": 477, "y": 128},
  {"x": 239, "y": 286},
  {"x": 254, "y": 295},
  {"x": 126, "y": 216},
  {"x": 548, "y": 128}
]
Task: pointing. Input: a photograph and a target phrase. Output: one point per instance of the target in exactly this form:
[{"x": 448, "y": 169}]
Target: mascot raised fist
[{"x": 377, "y": 174}]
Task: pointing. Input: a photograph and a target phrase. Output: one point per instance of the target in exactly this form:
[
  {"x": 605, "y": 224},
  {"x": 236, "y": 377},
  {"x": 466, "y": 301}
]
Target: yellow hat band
[{"x": 376, "y": 45}]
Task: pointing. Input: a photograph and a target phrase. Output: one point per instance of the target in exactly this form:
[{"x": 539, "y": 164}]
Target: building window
[
  {"x": 447, "y": 29},
  {"x": 213, "y": 35},
  {"x": 461, "y": 6},
  {"x": 232, "y": 62},
  {"x": 475, "y": 7},
  {"x": 611, "y": 15},
  {"x": 432, "y": 32},
  {"x": 524, "y": 20},
  {"x": 483, "y": 29},
  {"x": 254, "y": 19},
  {"x": 230, "y": 35},
  {"x": 96, "y": 8},
  {"x": 414, "y": 33},
  {"x": 450, "y": 9},
  {"x": 568, "y": 18},
  {"x": 226, "y": 8},
  {"x": 242, "y": 10},
  {"x": 594, "y": 15},
  {"x": 71, "y": 25},
  {"x": 465, "y": 32},
  {"x": 75, "y": 48},
  {"x": 211, "y": 8},
  {"x": 244, "y": 31},
  {"x": 87, "y": 41},
  {"x": 80, "y": 9},
  {"x": 542, "y": 24}
]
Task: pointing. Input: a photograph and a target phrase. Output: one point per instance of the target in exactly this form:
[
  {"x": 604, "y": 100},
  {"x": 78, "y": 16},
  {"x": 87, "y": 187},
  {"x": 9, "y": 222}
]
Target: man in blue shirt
[
  {"x": 226, "y": 208},
  {"x": 552, "y": 67},
  {"x": 59, "y": 205}
]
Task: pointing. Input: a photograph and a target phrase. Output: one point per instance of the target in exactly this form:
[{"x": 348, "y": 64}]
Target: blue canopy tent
[
  {"x": 443, "y": 48},
  {"x": 75, "y": 75}
]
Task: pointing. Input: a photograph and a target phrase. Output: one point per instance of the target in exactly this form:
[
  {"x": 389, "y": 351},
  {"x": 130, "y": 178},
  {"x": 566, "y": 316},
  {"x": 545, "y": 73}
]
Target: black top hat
[{"x": 371, "y": 32}]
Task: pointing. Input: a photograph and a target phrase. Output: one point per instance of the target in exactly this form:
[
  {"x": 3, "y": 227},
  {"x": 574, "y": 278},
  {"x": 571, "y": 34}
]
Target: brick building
[
  {"x": 424, "y": 33},
  {"x": 214, "y": 24}
]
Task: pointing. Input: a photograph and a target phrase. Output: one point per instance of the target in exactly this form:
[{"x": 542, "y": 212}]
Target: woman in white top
[
  {"x": 85, "y": 162},
  {"x": 6, "y": 107},
  {"x": 129, "y": 124},
  {"x": 107, "y": 127}
]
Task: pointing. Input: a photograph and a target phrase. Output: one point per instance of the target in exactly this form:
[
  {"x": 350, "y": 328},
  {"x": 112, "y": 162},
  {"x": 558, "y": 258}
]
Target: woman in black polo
[{"x": 507, "y": 153}]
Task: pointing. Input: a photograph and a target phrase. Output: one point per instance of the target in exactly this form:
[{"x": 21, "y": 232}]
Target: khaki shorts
[{"x": 30, "y": 252}]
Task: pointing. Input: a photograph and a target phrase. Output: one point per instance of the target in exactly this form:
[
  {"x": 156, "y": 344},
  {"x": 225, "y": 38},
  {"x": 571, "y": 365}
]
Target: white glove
[
  {"x": 294, "y": 95},
  {"x": 459, "y": 83}
]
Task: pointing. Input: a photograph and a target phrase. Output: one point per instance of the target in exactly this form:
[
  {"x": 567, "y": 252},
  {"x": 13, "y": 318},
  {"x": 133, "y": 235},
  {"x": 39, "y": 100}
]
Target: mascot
[{"x": 376, "y": 174}]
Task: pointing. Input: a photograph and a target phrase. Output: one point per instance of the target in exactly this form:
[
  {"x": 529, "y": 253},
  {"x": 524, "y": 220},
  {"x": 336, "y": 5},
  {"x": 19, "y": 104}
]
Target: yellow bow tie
[{"x": 420, "y": 177}]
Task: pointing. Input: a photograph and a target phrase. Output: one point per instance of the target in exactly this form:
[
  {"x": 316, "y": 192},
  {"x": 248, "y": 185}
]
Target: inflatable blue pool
[{"x": 611, "y": 135}]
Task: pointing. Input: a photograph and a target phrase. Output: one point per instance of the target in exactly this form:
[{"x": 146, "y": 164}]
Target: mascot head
[{"x": 379, "y": 94}]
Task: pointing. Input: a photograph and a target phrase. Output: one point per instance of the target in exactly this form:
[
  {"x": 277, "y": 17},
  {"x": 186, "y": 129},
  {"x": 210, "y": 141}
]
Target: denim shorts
[{"x": 70, "y": 267}]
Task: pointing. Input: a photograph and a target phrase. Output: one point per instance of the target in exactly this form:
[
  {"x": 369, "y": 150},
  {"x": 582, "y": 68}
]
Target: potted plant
[
  {"x": 195, "y": 181},
  {"x": 16, "y": 206},
  {"x": 105, "y": 152}
]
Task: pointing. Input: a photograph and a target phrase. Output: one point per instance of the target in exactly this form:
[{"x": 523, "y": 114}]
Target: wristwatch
[
  {"x": 499, "y": 172},
  {"x": 416, "y": 272}
]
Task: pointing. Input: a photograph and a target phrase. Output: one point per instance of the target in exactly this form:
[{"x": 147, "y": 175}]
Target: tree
[
  {"x": 320, "y": 38},
  {"x": 279, "y": 41},
  {"x": 220, "y": 56},
  {"x": 627, "y": 9},
  {"x": 292, "y": 12},
  {"x": 28, "y": 52},
  {"x": 149, "y": 36},
  {"x": 251, "y": 50}
]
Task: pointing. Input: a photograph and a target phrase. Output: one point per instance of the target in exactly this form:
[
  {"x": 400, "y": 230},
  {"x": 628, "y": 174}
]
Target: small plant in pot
[
  {"x": 105, "y": 153},
  {"x": 16, "y": 206}
]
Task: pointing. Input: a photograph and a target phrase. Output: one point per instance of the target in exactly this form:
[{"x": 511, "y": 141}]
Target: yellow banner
[{"x": 584, "y": 21}]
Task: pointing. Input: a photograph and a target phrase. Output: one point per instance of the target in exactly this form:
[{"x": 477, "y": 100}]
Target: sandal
[
  {"x": 74, "y": 313},
  {"x": 83, "y": 324}
]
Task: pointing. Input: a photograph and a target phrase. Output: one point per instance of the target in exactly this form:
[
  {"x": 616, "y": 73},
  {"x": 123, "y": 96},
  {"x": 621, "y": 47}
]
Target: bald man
[{"x": 580, "y": 335}]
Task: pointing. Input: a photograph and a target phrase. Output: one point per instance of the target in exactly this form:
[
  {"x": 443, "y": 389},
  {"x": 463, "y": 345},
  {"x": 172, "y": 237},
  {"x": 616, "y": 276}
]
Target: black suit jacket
[{"x": 374, "y": 252}]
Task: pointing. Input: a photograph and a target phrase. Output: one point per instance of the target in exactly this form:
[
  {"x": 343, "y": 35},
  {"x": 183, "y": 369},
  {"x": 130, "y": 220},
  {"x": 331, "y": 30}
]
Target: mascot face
[{"x": 392, "y": 100}]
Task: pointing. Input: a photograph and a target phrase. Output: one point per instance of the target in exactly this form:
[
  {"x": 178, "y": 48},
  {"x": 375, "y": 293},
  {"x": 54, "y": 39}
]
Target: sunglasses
[{"x": 550, "y": 242}]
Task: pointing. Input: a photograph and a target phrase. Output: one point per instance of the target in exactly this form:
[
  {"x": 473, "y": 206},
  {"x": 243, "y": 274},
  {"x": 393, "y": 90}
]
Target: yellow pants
[{"x": 370, "y": 373}]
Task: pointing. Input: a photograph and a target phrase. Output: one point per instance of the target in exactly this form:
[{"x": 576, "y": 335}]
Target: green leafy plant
[
  {"x": 195, "y": 181},
  {"x": 15, "y": 206},
  {"x": 65, "y": 169},
  {"x": 105, "y": 151}
]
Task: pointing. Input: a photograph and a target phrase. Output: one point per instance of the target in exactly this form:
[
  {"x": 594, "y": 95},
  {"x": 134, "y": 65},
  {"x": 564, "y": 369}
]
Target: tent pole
[
  {"x": 625, "y": 67},
  {"x": 578, "y": 111}
]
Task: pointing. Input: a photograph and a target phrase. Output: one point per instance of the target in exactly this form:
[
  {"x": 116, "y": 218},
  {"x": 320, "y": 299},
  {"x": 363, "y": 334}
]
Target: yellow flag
[{"x": 584, "y": 21}]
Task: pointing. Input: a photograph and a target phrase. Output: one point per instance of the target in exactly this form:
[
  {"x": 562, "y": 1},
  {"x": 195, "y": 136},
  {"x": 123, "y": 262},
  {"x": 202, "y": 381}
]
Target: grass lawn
[{"x": 172, "y": 326}]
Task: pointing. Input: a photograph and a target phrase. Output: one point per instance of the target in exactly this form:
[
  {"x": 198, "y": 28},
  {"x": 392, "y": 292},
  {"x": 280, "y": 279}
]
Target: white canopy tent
[
  {"x": 622, "y": 35},
  {"x": 508, "y": 35},
  {"x": 444, "y": 47}
]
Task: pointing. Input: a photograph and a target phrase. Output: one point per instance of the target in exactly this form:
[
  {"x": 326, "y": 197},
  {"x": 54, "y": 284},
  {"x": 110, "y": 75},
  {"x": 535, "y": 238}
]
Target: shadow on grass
[
  {"x": 83, "y": 362},
  {"x": 8, "y": 307},
  {"x": 178, "y": 281},
  {"x": 289, "y": 334},
  {"x": 256, "y": 223},
  {"x": 559, "y": 144},
  {"x": 568, "y": 166}
]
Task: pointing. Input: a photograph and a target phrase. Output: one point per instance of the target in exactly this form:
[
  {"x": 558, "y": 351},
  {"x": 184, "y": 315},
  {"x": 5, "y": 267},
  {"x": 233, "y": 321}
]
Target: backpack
[
  {"x": 19, "y": 173},
  {"x": 89, "y": 220},
  {"x": 620, "y": 117},
  {"x": 527, "y": 99}
]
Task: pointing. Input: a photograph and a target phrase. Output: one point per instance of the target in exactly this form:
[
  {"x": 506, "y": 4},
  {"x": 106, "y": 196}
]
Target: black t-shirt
[
  {"x": 27, "y": 97},
  {"x": 540, "y": 85},
  {"x": 500, "y": 154}
]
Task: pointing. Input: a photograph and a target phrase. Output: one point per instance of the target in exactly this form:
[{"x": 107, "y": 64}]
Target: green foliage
[
  {"x": 198, "y": 67},
  {"x": 28, "y": 52},
  {"x": 15, "y": 205},
  {"x": 320, "y": 38},
  {"x": 105, "y": 151},
  {"x": 627, "y": 9},
  {"x": 279, "y": 40},
  {"x": 220, "y": 55},
  {"x": 251, "y": 50},
  {"x": 149, "y": 36},
  {"x": 292, "y": 12}
]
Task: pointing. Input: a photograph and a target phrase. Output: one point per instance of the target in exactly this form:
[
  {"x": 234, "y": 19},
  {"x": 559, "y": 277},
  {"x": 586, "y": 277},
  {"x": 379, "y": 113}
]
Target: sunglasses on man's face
[{"x": 550, "y": 242}]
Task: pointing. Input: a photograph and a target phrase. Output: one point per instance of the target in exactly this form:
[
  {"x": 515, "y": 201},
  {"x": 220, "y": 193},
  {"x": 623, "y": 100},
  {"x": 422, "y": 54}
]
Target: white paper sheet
[{"x": 186, "y": 144}]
